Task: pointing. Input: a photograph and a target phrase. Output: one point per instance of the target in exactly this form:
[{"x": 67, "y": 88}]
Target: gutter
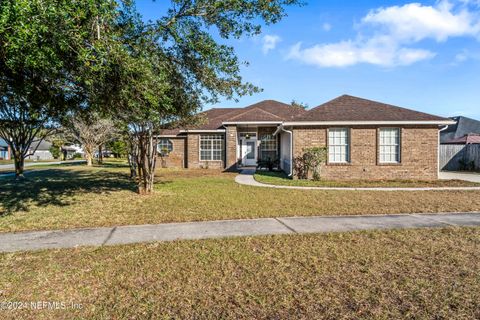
[{"x": 281, "y": 128}]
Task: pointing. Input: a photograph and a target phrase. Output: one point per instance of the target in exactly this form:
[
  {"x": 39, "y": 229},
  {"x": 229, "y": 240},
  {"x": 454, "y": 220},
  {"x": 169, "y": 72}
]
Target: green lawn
[
  {"x": 410, "y": 274},
  {"x": 77, "y": 196},
  {"x": 280, "y": 178}
]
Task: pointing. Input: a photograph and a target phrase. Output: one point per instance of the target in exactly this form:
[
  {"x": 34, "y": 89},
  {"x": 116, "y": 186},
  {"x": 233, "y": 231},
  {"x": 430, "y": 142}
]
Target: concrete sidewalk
[{"x": 10, "y": 242}]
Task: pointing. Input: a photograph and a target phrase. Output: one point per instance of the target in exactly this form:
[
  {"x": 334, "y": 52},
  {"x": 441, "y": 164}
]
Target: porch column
[{"x": 231, "y": 148}]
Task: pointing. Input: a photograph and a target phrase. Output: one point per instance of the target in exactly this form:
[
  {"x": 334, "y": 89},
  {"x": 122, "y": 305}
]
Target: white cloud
[
  {"x": 415, "y": 22},
  {"x": 326, "y": 26},
  {"x": 270, "y": 42},
  {"x": 348, "y": 53},
  {"x": 393, "y": 32}
]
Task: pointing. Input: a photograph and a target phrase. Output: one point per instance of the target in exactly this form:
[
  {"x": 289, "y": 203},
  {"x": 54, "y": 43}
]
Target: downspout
[
  {"x": 291, "y": 146},
  {"x": 438, "y": 151}
]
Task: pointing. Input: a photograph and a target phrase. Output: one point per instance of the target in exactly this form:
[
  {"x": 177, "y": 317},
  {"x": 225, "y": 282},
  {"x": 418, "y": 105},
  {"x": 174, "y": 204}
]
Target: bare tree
[{"x": 91, "y": 132}]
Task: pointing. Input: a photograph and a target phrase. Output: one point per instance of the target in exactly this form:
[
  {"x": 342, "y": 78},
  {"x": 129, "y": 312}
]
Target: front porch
[{"x": 261, "y": 147}]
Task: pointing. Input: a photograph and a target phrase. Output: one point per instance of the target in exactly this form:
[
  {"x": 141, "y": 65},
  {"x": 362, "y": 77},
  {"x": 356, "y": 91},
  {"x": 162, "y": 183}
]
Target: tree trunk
[
  {"x": 146, "y": 161},
  {"x": 88, "y": 154},
  {"x": 100, "y": 154},
  {"x": 19, "y": 161}
]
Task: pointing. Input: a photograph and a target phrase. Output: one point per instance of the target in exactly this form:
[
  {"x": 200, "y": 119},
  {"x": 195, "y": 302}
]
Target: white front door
[{"x": 249, "y": 152}]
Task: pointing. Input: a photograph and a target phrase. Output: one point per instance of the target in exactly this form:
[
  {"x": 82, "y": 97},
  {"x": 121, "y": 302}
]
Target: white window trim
[
  {"x": 347, "y": 152},
  {"x": 200, "y": 147},
  {"x": 399, "y": 146}
]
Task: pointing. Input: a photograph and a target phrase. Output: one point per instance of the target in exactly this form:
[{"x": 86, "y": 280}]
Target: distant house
[
  {"x": 471, "y": 138},
  {"x": 464, "y": 131},
  {"x": 5, "y": 152},
  {"x": 69, "y": 151},
  {"x": 40, "y": 150},
  {"x": 460, "y": 145}
]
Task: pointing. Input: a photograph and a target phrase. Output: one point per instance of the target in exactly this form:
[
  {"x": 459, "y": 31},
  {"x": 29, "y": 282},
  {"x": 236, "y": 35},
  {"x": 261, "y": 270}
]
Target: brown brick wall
[
  {"x": 231, "y": 148},
  {"x": 419, "y": 147},
  {"x": 193, "y": 154},
  {"x": 176, "y": 158}
]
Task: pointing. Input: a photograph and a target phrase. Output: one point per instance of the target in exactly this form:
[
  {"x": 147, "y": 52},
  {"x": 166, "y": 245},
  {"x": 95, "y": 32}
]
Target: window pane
[
  {"x": 164, "y": 146},
  {"x": 338, "y": 145},
  {"x": 389, "y": 145},
  {"x": 268, "y": 147},
  {"x": 211, "y": 147}
]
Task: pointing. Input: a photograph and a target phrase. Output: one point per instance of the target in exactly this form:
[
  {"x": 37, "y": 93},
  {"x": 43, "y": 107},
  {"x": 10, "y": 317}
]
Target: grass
[
  {"x": 416, "y": 274},
  {"x": 79, "y": 196},
  {"x": 280, "y": 178}
]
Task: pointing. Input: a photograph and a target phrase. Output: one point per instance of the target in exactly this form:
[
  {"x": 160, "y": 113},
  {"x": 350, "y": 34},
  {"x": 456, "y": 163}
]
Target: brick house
[{"x": 365, "y": 139}]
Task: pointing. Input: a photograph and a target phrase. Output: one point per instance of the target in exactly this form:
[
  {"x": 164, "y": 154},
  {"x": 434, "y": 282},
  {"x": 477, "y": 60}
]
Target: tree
[
  {"x": 161, "y": 73},
  {"x": 118, "y": 147},
  {"x": 90, "y": 131},
  {"x": 299, "y": 105},
  {"x": 43, "y": 45}
]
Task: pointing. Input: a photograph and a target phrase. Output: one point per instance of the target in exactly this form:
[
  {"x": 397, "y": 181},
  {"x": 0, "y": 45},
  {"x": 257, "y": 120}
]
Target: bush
[
  {"x": 77, "y": 156},
  {"x": 310, "y": 162}
]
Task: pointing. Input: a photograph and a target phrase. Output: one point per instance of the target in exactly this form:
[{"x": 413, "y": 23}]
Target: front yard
[
  {"x": 78, "y": 196},
  {"x": 416, "y": 274},
  {"x": 281, "y": 179}
]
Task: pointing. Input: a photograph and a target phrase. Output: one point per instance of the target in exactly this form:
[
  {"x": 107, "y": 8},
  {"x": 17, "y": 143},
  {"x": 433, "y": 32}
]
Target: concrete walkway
[
  {"x": 10, "y": 242},
  {"x": 460, "y": 175},
  {"x": 246, "y": 178}
]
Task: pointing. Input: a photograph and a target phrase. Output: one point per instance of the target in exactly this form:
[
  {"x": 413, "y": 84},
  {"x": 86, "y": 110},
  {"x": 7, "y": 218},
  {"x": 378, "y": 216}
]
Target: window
[
  {"x": 338, "y": 145},
  {"x": 211, "y": 147},
  {"x": 268, "y": 147},
  {"x": 164, "y": 147},
  {"x": 389, "y": 145}
]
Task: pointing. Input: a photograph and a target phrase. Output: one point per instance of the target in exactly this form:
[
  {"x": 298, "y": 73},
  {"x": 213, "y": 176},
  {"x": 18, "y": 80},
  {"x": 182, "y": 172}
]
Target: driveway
[
  {"x": 40, "y": 163},
  {"x": 460, "y": 175}
]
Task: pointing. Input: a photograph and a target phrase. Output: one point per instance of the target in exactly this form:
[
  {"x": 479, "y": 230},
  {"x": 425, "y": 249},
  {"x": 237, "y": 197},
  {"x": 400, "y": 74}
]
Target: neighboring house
[
  {"x": 69, "y": 151},
  {"x": 471, "y": 138},
  {"x": 460, "y": 131},
  {"x": 365, "y": 139},
  {"x": 5, "y": 152},
  {"x": 40, "y": 150}
]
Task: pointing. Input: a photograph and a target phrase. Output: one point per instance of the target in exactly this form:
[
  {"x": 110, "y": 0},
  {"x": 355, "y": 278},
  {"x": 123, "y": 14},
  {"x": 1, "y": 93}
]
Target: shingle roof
[
  {"x": 462, "y": 127},
  {"x": 40, "y": 145},
  {"x": 267, "y": 110},
  {"x": 349, "y": 108},
  {"x": 343, "y": 108},
  {"x": 471, "y": 138}
]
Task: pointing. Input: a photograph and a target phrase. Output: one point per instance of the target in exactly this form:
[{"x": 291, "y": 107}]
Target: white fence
[{"x": 454, "y": 157}]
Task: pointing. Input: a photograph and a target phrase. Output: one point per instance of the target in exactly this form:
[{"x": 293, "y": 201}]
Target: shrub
[{"x": 310, "y": 162}]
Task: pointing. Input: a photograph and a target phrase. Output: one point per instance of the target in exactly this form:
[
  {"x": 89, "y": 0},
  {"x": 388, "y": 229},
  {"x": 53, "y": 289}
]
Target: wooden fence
[{"x": 455, "y": 157}]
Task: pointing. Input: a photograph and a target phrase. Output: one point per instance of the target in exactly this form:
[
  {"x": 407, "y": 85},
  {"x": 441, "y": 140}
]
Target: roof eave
[
  {"x": 340, "y": 123},
  {"x": 251, "y": 122},
  {"x": 201, "y": 130}
]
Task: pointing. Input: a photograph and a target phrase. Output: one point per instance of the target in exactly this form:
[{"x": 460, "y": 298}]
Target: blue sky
[{"x": 423, "y": 55}]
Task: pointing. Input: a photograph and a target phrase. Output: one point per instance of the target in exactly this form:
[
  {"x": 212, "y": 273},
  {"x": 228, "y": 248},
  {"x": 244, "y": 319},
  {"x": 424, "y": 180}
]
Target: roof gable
[
  {"x": 254, "y": 114},
  {"x": 349, "y": 108}
]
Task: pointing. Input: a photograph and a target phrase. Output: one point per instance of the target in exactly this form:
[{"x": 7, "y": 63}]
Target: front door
[{"x": 249, "y": 152}]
